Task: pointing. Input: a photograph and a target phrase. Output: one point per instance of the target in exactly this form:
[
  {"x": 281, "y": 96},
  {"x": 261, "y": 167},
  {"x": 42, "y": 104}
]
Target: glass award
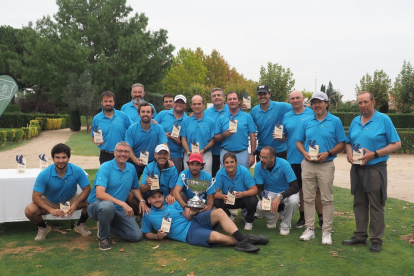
[
  {"x": 175, "y": 133},
  {"x": 266, "y": 201},
  {"x": 278, "y": 130},
  {"x": 42, "y": 161},
  {"x": 195, "y": 146},
  {"x": 64, "y": 205},
  {"x": 313, "y": 150},
  {"x": 232, "y": 124},
  {"x": 97, "y": 135},
  {"x": 143, "y": 155},
  {"x": 247, "y": 100},
  {"x": 166, "y": 222},
  {"x": 155, "y": 183},
  {"x": 21, "y": 164},
  {"x": 231, "y": 197},
  {"x": 357, "y": 152}
]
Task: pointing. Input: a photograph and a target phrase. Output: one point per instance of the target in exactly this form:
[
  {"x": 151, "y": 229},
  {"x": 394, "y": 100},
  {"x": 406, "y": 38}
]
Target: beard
[{"x": 137, "y": 101}]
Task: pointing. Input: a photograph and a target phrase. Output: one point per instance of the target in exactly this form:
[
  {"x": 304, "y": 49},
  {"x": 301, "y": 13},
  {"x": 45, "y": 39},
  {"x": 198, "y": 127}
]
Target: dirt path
[{"x": 400, "y": 167}]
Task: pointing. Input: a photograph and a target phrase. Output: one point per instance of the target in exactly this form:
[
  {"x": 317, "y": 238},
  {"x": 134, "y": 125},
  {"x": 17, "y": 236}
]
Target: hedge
[
  {"x": 16, "y": 135},
  {"x": 407, "y": 142},
  {"x": 18, "y": 119},
  {"x": 13, "y": 108},
  {"x": 399, "y": 120}
]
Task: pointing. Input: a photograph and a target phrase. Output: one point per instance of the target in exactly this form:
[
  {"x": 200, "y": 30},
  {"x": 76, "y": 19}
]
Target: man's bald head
[
  {"x": 296, "y": 93},
  {"x": 296, "y": 100}
]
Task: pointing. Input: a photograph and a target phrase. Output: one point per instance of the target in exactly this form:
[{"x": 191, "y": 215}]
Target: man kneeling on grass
[{"x": 199, "y": 230}]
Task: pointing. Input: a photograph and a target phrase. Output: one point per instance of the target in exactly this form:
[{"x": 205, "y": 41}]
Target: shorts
[
  {"x": 200, "y": 230},
  {"x": 57, "y": 206},
  {"x": 297, "y": 169}
]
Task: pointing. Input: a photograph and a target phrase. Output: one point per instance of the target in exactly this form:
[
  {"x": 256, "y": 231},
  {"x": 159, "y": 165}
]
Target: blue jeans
[
  {"x": 113, "y": 221},
  {"x": 242, "y": 158}
]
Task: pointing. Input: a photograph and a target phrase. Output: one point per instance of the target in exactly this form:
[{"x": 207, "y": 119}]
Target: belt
[
  {"x": 234, "y": 151},
  {"x": 111, "y": 152}
]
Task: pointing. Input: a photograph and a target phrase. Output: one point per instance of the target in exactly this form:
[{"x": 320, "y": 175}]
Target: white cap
[
  {"x": 320, "y": 96},
  {"x": 161, "y": 147},
  {"x": 180, "y": 97}
]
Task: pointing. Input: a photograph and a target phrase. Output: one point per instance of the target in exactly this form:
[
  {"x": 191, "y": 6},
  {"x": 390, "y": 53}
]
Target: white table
[{"x": 16, "y": 193}]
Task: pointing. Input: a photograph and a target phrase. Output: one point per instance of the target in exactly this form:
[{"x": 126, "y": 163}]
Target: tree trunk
[{"x": 87, "y": 123}]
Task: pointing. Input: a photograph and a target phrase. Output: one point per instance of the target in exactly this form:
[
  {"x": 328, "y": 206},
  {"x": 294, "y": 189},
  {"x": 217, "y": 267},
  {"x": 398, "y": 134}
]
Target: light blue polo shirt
[
  {"x": 167, "y": 177},
  {"x": 327, "y": 133},
  {"x": 214, "y": 114},
  {"x": 276, "y": 181},
  {"x": 201, "y": 131},
  {"x": 242, "y": 181},
  {"x": 265, "y": 123},
  {"x": 292, "y": 123},
  {"x": 239, "y": 140},
  {"x": 376, "y": 134},
  {"x": 179, "y": 224},
  {"x": 57, "y": 189},
  {"x": 113, "y": 129},
  {"x": 132, "y": 112},
  {"x": 116, "y": 182},
  {"x": 141, "y": 140},
  {"x": 203, "y": 176},
  {"x": 167, "y": 119}
]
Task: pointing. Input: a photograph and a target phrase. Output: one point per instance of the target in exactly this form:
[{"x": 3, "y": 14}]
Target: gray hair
[
  {"x": 138, "y": 85},
  {"x": 122, "y": 143},
  {"x": 217, "y": 89}
]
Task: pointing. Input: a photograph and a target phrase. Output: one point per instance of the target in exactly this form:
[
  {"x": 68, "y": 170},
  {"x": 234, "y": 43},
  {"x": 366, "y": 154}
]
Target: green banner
[{"x": 8, "y": 87}]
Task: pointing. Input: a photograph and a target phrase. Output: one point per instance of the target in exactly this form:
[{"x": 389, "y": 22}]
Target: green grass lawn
[
  {"x": 72, "y": 254},
  {"x": 81, "y": 144}
]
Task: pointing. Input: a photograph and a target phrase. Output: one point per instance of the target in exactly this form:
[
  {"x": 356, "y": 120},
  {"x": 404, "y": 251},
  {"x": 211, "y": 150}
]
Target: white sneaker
[
  {"x": 248, "y": 226},
  {"x": 271, "y": 225},
  {"x": 42, "y": 233},
  {"x": 234, "y": 212},
  {"x": 83, "y": 230},
  {"x": 258, "y": 215},
  {"x": 326, "y": 237},
  {"x": 284, "y": 232},
  {"x": 307, "y": 235}
]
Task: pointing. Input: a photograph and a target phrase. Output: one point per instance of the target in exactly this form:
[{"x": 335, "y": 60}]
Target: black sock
[
  {"x": 42, "y": 224},
  {"x": 320, "y": 216},
  {"x": 302, "y": 215},
  {"x": 238, "y": 236},
  {"x": 82, "y": 219}
]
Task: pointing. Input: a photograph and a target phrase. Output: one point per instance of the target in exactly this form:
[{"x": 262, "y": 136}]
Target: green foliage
[
  {"x": 75, "y": 121},
  {"x": 279, "y": 80},
  {"x": 13, "y": 108},
  {"x": 402, "y": 120},
  {"x": 323, "y": 87},
  {"x": 404, "y": 88},
  {"x": 155, "y": 99},
  {"x": 81, "y": 144},
  {"x": 18, "y": 119},
  {"x": 3, "y": 137},
  {"x": 379, "y": 86},
  {"x": 407, "y": 141},
  {"x": 348, "y": 106},
  {"x": 217, "y": 70},
  {"x": 18, "y": 135},
  {"x": 334, "y": 96}
]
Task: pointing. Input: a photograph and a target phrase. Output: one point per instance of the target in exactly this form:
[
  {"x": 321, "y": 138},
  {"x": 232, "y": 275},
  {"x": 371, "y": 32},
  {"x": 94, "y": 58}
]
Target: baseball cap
[
  {"x": 263, "y": 88},
  {"x": 180, "y": 97},
  {"x": 195, "y": 157},
  {"x": 152, "y": 192},
  {"x": 320, "y": 96},
  {"x": 161, "y": 147}
]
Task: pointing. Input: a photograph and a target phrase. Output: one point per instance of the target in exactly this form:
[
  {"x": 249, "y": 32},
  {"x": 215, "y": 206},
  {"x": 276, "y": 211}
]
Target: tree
[
  {"x": 217, "y": 70},
  {"x": 307, "y": 95},
  {"x": 404, "y": 88},
  {"x": 279, "y": 80},
  {"x": 323, "y": 88},
  {"x": 379, "y": 86},
  {"x": 336, "y": 99}
]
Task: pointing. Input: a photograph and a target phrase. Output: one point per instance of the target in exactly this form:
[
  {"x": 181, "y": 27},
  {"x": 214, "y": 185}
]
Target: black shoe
[
  {"x": 300, "y": 223},
  {"x": 375, "y": 247},
  {"x": 261, "y": 239},
  {"x": 246, "y": 246},
  {"x": 104, "y": 244},
  {"x": 354, "y": 241}
]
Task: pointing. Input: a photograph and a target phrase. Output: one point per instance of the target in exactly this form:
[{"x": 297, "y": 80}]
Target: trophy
[
  {"x": 313, "y": 150},
  {"x": 21, "y": 164},
  {"x": 247, "y": 100},
  {"x": 42, "y": 161},
  {"x": 197, "y": 186},
  {"x": 357, "y": 152}
]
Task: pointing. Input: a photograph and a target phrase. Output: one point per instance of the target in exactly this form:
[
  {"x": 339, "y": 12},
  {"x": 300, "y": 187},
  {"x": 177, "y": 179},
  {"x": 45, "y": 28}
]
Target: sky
[{"x": 320, "y": 41}]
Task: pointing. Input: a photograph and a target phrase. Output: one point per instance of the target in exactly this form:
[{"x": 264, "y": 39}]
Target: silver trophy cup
[{"x": 197, "y": 187}]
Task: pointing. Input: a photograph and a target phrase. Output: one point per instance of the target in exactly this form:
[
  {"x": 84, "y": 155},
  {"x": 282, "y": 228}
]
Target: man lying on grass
[{"x": 199, "y": 230}]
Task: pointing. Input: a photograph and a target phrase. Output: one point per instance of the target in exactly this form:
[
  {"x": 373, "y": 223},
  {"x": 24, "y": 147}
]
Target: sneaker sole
[
  {"x": 284, "y": 234},
  {"x": 303, "y": 239},
  {"x": 250, "y": 251},
  {"x": 103, "y": 249}
]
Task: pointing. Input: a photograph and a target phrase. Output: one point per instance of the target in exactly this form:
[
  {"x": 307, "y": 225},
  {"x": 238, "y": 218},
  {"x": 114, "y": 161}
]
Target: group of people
[{"x": 146, "y": 158}]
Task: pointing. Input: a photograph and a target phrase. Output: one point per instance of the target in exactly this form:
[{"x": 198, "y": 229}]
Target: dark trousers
[
  {"x": 282, "y": 154},
  {"x": 216, "y": 165},
  {"x": 105, "y": 156},
  {"x": 248, "y": 202},
  {"x": 139, "y": 169},
  {"x": 369, "y": 208}
]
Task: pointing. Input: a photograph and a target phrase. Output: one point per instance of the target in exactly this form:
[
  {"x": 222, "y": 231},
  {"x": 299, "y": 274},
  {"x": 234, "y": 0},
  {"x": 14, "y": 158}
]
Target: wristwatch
[
  {"x": 329, "y": 154},
  {"x": 280, "y": 196},
  {"x": 141, "y": 200},
  {"x": 376, "y": 154}
]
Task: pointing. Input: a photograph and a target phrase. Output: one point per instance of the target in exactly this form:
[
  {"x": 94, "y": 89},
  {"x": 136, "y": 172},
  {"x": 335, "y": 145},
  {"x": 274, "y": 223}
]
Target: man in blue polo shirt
[
  {"x": 218, "y": 109},
  {"x": 197, "y": 134},
  {"x": 320, "y": 139},
  {"x": 373, "y": 137},
  {"x": 112, "y": 124},
  {"x": 195, "y": 164},
  {"x": 235, "y": 182},
  {"x": 131, "y": 108},
  {"x": 276, "y": 182},
  {"x": 160, "y": 168},
  {"x": 236, "y": 140},
  {"x": 170, "y": 120},
  {"x": 55, "y": 186},
  {"x": 107, "y": 201},
  {"x": 266, "y": 116},
  {"x": 143, "y": 137},
  {"x": 198, "y": 229},
  {"x": 292, "y": 123}
]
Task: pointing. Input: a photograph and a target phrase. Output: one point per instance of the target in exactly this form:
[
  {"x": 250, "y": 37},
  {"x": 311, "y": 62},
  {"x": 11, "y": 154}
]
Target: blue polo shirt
[
  {"x": 179, "y": 224},
  {"x": 167, "y": 120},
  {"x": 327, "y": 133},
  {"x": 132, "y": 112},
  {"x": 57, "y": 189},
  {"x": 214, "y": 114},
  {"x": 265, "y": 123},
  {"x": 242, "y": 181},
  {"x": 239, "y": 140},
  {"x": 113, "y": 129},
  {"x": 278, "y": 179},
  {"x": 203, "y": 176},
  {"x": 202, "y": 131},
  {"x": 292, "y": 123},
  {"x": 117, "y": 183},
  {"x": 167, "y": 177},
  {"x": 376, "y": 134},
  {"x": 140, "y": 139}
]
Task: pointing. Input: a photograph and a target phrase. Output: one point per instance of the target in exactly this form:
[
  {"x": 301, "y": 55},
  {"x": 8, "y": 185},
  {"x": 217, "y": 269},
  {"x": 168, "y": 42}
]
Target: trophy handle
[
  {"x": 183, "y": 179},
  {"x": 213, "y": 180}
]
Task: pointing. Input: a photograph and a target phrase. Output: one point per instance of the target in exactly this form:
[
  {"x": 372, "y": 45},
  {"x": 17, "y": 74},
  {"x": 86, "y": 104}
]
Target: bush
[
  {"x": 53, "y": 123},
  {"x": 13, "y": 108},
  {"x": 75, "y": 121},
  {"x": 18, "y": 135},
  {"x": 18, "y": 119},
  {"x": 44, "y": 107},
  {"x": 3, "y": 136},
  {"x": 407, "y": 142},
  {"x": 10, "y": 135}
]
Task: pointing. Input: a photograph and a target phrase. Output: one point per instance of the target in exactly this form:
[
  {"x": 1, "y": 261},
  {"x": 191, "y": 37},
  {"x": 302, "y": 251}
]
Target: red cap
[{"x": 196, "y": 157}]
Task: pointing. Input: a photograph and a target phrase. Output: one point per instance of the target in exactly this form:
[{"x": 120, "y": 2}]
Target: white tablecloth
[{"x": 16, "y": 193}]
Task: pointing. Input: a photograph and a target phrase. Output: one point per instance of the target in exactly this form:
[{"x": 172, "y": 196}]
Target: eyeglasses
[{"x": 123, "y": 151}]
